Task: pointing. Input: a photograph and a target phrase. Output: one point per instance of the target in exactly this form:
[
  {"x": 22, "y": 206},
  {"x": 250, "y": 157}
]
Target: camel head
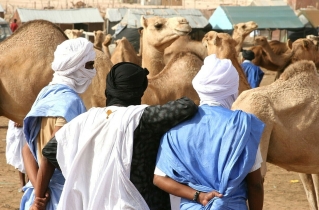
[
  {"x": 162, "y": 32},
  {"x": 244, "y": 29},
  {"x": 304, "y": 49},
  {"x": 221, "y": 44},
  {"x": 73, "y": 33},
  {"x": 260, "y": 40},
  {"x": 98, "y": 39},
  {"x": 107, "y": 40}
]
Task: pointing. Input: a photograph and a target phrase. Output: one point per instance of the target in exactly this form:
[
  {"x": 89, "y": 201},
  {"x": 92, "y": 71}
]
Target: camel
[
  {"x": 79, "y": 4},
  {"x": 265, "y": 56},
  {"x": 105, "y": 45},
  {"x": 241, "y": 31},
  {"x": 224, "y": 46},
  {"x": 99, "y": 37},
  {"x": 302, "y": 49},
  {"x": 173, "y": 80},
  {"x": 73, "y": 33},
  {"x": 289, "y": 109},
  {"x": 124, "y": 52},
  {"x": 158, "y": 34},
  {"x": 157, "y": 91},
  {"x": 26, "y": 70}
]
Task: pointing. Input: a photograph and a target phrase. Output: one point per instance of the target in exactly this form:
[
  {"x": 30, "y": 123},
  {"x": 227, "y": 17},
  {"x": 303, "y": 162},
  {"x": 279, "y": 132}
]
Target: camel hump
[{"x": 300, "y": 68}]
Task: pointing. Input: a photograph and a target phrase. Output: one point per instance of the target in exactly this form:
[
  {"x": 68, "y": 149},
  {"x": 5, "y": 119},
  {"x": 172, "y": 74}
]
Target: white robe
[
  {"x": 15, "y": 140},
  {"x": 94, "y": 153}
]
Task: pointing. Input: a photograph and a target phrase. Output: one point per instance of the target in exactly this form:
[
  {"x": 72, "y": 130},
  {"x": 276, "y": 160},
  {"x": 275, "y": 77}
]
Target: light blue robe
[
  {"x": 215, "y": 150},
  {"x": 52, "y": 101},
  {"x": 253, "y": 73}
]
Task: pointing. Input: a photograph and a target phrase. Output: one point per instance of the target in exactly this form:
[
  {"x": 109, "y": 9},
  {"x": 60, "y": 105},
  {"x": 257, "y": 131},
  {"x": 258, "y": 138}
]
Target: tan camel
[
  {"x": 265, "y": 56},
  {"x": 302, "y": 49},
  {"x": 99, "y": 37},
  {"x": 73, "y": 33},
  {"x": 174, "y": 80},
  {"x": 289, "y": 109},
  {"x": 158, "y": 34},
  {"x": 124, "y": 52},
  {"x": 224, "y": 46},
  {"x": 79, "y": 4},
  {"x": 26, "y": 70},
  {"x": 105, "y": 45},
  {"x": 241, "y": 31}
]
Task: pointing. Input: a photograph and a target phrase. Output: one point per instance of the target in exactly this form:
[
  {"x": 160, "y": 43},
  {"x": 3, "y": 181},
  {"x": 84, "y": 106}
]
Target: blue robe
[
  {"x": 215, "y": 150},
  {"x": 253, "y": 73},
  {"x": 52, "y": 101}
]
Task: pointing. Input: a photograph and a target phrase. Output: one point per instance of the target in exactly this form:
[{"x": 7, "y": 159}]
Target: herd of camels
[{"x": 288, "y": 106}]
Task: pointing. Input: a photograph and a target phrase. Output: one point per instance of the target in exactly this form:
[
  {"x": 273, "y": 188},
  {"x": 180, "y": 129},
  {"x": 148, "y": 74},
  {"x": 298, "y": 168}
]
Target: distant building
[{"x": 88, "y": 19}]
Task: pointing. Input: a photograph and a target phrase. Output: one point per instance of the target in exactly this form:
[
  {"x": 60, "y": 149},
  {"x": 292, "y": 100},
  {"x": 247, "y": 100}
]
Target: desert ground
[{"x": 283, "y": 189}]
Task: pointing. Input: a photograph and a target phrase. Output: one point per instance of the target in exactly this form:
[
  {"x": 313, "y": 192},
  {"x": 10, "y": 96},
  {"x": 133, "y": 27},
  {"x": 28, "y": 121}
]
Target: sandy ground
[{"x": 283, "y": 189}]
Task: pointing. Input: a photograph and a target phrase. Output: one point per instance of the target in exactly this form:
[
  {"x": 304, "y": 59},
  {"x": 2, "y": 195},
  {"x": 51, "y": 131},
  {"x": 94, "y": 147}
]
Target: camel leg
[
  {"x": 308, "y": 184},
  {"x": 315, "y": 179}
]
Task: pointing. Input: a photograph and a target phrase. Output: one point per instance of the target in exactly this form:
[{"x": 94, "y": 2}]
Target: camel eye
[
  {"x": 244, "y": 26},
  {"x": 158, "y": 25}
]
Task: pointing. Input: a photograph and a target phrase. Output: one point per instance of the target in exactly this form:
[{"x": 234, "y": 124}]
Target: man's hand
[
  {"x": 40, "y": 203},
  {"x": 204, "y": 198}
]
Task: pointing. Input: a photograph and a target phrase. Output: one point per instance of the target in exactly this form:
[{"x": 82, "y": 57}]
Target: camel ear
[
  {"x": 235, "y": 26},
  {"x": 305, "y": 43},
  {"x": 140, "y": 30},
  {"x": 81, "y": 30},
  {"x": 143, "y": 22}
]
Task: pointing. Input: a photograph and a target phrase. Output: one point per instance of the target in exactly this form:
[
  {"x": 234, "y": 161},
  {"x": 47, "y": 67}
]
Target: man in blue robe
[
  {"x": 56, "y": 104},
  {"x": 216, "y": 150},
  {"x": 253, "y": 73}
]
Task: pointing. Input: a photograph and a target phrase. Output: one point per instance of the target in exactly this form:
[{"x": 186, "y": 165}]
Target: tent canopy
[{"x": 267, "y": 17}]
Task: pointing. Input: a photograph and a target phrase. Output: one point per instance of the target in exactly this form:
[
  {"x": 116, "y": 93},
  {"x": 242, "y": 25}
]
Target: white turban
[
  {"x": 217, "y": 82},
  {"x": 69, "y": 64}
]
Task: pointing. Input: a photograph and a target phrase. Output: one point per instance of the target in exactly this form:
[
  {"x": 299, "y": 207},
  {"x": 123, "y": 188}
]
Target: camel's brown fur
[
  {"x": 124, "y": 52},
  {"x": 175, "y": 81},
  {"x": 25, "y": 66},
  {"x": 279, "y": 47},
  {"x": 289, "y": 108},
  {"x": 265, "y": 56},
  {"x": 105, "y": 45},
  {"x": 223, "y": 46}
]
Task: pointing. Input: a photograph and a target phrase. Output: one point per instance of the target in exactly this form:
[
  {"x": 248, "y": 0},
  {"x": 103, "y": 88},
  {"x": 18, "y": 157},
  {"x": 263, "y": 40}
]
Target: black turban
[
  {"x": 125, "y": 84},
  {"x": 248, "y": 54}
]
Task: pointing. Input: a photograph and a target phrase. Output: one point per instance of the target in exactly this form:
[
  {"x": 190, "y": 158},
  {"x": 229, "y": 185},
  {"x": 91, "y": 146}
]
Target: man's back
[
  {"x": 253, "y": 73},
  {"x": 215, "y": 150}
]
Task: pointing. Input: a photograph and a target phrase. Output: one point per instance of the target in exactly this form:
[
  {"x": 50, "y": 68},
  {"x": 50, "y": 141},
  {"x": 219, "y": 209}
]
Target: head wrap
[
  {"x": 217, "y": 82},
  {"x": 248, "y": 54},
  {"x": 69, "y": 64},
  {"x": 125, "y": 84}
]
